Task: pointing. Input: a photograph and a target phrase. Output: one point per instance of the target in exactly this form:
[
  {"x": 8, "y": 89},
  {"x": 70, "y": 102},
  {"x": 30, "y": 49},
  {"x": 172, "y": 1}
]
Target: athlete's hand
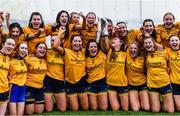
[
  {"x": 7, "y": 16},
  {"x": 116, "y": 28},
  {"x": 62, "y": 29},
  {"x": 113, "y": 30},
  {"x": 41, "y": 30},
  {"x": 146, "y": 34}
]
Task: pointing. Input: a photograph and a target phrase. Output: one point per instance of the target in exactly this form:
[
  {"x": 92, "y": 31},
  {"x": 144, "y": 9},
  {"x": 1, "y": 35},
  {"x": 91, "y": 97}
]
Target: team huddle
[{"x": 91, "y": 65}]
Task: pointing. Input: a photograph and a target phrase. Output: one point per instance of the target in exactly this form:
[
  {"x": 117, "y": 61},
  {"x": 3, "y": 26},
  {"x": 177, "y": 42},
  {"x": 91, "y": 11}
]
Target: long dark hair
[
  {"x": 15, "y": 25},
  {"x": 35, "y": 13},
  {"x": 154, "y": 33},
  {"x": 87, "y": 47},
  {"x": 59, "y": 24}
]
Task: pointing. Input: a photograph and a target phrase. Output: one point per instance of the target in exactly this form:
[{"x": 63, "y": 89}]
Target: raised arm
[
  {"x": 7, "y": 16},
  {"x": 98, "y": 35},
  {"x": 104, "y": 44},
  {"x": 81, "y": 24},
  {"x": 57, "y": 41},
  {"x": 34, "y": 35}
]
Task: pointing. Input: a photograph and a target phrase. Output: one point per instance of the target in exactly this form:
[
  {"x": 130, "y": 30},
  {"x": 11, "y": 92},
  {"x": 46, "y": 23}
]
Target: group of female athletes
[{"x": 91, "y": 65}]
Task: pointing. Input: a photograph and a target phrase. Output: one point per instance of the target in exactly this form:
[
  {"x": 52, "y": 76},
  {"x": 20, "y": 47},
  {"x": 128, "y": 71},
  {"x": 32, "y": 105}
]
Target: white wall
[{"x": 117, "y": 10}]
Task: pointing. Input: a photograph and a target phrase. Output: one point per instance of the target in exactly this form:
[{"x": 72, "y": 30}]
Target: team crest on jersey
[
  {"x": 92, "y": 60},
  {"x": 4, "y": 59},
  {"x": 152, "y": 55},
  {"x": 22, "y": 64},
  {"x": 40, "y": 61},
  {"x": 178, "y": 53},
  {"x": 77, "y": 54},
  {"x": 57, "y": 56}
]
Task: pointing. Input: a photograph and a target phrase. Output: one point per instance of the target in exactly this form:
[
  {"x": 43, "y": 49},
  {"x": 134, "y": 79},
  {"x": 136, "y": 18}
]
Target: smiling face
[
  {"x": 174, "y": 42},
  {"x": 63, "y": 19},
  {"x": 41, "y": 50},
  {"x": 148, "y": 27},
  {"x": 116, "y": 43},
  {"x": 15, "y": 33},
  {"x": 93, "y": 49},
  {"x": 23, "y": 50},
  {"x": 75, "y": 18},
  {"x": 149, "y": 45},
  {"x": 133, "y": 50},
  {"x": 36, "y": 21},
  {"x": 8, "y": 46},
  {"x": 76, "y": 43},
  {"x": 110, "y": 27},
  {"x": 122, "y": 29},
  {"x": 90, "y": 19},
  {"x": 168, "y": 21}
]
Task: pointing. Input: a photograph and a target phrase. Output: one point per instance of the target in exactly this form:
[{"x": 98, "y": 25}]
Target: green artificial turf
[{"x": 108, "y": 113}]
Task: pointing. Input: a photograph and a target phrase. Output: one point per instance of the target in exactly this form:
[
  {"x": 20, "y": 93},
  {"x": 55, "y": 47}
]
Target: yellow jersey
[
  {"x": 55, "y": 65},
  {"x": 166, "y": 33},
  {"x": 130, "y": 37},
  {"x": 18, "y": 72},
  {"x": 21, "y": 38},
  {"x": 157, "y": 75},
  {"x": 89, "y": 33},
  {"x": 115, "y": 69},
  {"x": 41, "y": 38},
  {"x": 135, "y": 71},
  {"x": 4, "y": 69},
  {"x": 174, "y": 63},
  {"x": 158, "y": 38},
  {"x": 66, "y": 42},
  {"x": 95, "y": 67},
  {"x": 37, "y": 70},
  {"x": 74, "y": 65}
]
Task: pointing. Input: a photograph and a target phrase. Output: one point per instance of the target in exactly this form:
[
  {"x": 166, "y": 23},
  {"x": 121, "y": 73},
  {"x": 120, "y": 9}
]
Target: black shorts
[
  {"x": 34, "y": 95},
  {"x": 53, "y": 86},
  {"x": 77, "y": 88},
  {"x": 138, "y": 88},
  {"x": 176, "y": 89},
  {"x": 98, "y": 87},
  {"x": 162, "y": 90},
  {"x": 121, "y": 90},
  {"x": 4, "y": 97}
]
